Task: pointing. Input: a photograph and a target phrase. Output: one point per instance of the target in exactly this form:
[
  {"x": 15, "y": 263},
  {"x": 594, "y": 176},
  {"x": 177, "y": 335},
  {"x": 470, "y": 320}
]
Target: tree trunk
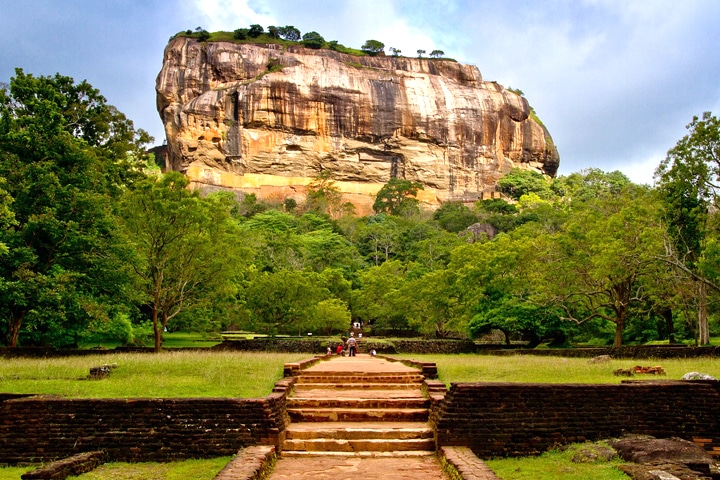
[
  {"x": 15, "y": 323},
  {"x": 667, "y": 314},
  {"x": 703, "y": 329},
  {"x": 157, "y": 329},
  {"x": 619, "y": 327}
]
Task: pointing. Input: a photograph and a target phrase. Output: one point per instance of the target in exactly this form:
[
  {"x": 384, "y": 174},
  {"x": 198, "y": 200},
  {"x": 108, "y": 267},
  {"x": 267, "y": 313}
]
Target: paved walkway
[
  {"x": 343, "y": 467},
  {"x": 356, "y": 468},
  {"x": 368, "y": 465}
]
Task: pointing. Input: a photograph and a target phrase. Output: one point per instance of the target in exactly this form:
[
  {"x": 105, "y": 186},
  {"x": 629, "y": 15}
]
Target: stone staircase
[{"x": 366, "y": 411}]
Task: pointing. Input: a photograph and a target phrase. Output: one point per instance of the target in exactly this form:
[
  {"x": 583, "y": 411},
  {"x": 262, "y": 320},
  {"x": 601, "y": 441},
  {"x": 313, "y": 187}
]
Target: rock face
[{"x": 267, "y": 119}]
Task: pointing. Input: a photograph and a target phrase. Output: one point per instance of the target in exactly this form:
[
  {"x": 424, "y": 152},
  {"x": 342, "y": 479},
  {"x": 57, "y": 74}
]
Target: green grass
[
  {"x": 168, "y": 374},
  {"x": 13, "y": 473},
  {"x": 556, "y": 464},
  {"x": 181, "y": 470},
  {"x": 536, "y": 369}
]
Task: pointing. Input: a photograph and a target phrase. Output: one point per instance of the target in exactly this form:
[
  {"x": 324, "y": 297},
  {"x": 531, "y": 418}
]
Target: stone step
[
  {"x": 320, "y": 393},
  {"x": 359, "y": 445},
  {"x": 361, "y": 378},
  {"x": 366, "y": 403},
  {"x": 363, "y": 454},
  {"x": 358, "y": 414},
  {"x": 358, "y": 386},
  {"x": 363, "y": 430}
]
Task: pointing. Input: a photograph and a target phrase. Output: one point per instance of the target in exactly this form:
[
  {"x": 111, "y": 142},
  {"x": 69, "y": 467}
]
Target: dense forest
[{"x": 96, "y": 244}]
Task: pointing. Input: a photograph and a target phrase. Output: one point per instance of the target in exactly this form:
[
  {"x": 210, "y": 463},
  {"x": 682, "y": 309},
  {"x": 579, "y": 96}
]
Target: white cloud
[{"x": 214, "y": 15}]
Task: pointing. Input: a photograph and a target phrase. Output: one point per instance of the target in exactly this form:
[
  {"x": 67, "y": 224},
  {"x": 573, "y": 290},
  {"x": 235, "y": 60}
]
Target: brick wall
[
  {"x": 42, "y": 428},
  {"x": 508, "y": 419}
]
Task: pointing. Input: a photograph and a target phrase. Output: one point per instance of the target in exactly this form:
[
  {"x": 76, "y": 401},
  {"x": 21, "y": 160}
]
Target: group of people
[{"x": 350, "y": 346}]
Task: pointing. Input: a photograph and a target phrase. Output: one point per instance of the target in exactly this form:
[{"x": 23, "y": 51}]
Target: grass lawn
[
  {"x": 556, "y": 464},
  {"x": 180, "y": 470},
  {"x": 537, "y": 369},
  {"x": 167, "y": 374}
]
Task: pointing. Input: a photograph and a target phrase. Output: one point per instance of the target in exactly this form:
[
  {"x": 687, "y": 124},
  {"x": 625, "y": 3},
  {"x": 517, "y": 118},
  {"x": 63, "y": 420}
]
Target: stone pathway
[
  {"x": 361, "y": 417},
  {"x": 358, "y": 417}
]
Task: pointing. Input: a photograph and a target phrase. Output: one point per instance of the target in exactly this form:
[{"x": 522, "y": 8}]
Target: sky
[{"x": 614, "y": 81}]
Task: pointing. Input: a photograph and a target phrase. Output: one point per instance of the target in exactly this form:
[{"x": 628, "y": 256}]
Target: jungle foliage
[{"x": 95, "y": 246}]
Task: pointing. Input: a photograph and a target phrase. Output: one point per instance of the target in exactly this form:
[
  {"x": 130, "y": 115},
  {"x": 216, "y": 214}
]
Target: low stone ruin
[
  {"x": 665, "y": 459},
  {"x": 71, "y": 466}
]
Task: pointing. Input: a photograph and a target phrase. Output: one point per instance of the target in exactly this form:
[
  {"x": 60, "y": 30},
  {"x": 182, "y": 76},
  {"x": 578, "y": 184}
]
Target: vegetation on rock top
[{"x": 289, "y": 35}]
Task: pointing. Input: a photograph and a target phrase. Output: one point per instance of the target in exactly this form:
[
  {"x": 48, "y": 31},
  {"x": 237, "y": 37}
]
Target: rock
[
  {"x": 593, "y": 454},
  {"x": 478, "y": 232},
  {"x": 266, "y": 119},
  {"x": 697, "y": 376},
  {"x": 600, "y": 359},
  {"x": 649, "y": 450}
]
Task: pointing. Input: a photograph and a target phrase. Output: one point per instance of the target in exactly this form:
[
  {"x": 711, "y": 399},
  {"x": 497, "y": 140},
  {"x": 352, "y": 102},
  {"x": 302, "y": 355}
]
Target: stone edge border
[
  {"x": 66, "y": 467},
  {"x": 429, "y": 369},
  {"x": 251, "y": 463},
  {"x": 464, "y": 465}
]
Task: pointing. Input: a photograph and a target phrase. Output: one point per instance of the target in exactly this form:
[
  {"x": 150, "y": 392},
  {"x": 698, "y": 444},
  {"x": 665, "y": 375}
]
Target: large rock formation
[{"x": 268, "y": 118}]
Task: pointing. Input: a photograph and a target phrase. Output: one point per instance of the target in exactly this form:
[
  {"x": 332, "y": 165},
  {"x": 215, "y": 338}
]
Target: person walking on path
[{"x": 352, "y": 345}]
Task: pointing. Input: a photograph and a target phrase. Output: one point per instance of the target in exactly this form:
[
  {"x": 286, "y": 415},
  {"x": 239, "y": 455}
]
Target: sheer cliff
[{"x": 267, "y": 119}]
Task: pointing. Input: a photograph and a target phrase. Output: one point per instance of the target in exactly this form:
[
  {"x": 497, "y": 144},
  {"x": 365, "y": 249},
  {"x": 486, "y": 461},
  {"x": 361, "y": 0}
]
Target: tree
[
  {"x": 313, "y": 40},
  {"x": 397, "y": 197},
  {"x": 597, "y": 266},
  {"x": 379, "y": 239},
  {"x": 454, "y": 216},
  {"x": 175, "y": 235},
  {"x": 437, "y": 53},
  {"x": 323, "y": 195},
  {"x": 688, "y": 182},
  {"x": 430, "y": 302},
  {"x": 518, "y": 182},
  {"x": 493, "y": 284},
  {"x": 376, "y": 301},
  {"x": 255, "y": 30},
  {"x": 240, "y": 34},
  {"x": 372, "y": 47},
  {"x": 588, "y": 184},
  {"x": 273, "y": 32},
  {"x": 286, "y": 301},
  {"x": 65, "y": 154},
  {"x": 289, "y": 33},
  {"x": 331, "y": 316},
  {"x": 420, "y": 53},
  {"x": 395, "y": 51}
]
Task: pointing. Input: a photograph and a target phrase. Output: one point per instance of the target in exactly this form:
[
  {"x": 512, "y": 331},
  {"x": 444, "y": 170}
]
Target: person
[
  {"x": 329, "y": 350},
  {"x": 339, "y": 349},
  {"x": 373, "y": 352},
  {"x": 352, "y": 345}
]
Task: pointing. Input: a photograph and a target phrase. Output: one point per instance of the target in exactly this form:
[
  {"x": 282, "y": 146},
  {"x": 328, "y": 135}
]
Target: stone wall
[
  {"x": 46, "y": 428},
  {"x": 629, "y": 351},
  {"x": 319, "y": 346},
  {"x": 513, "y": 419},
  {"x": 285, "y": 345}
]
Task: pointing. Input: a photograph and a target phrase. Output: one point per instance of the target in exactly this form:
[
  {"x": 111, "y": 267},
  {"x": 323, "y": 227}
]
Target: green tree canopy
[
  {"x": 688, "y": 184},
  {"x": 175, "y": 235},
  {"x": 66, "y": 154},
  {"x": 372, "y": 47},
  {"x": 397, "y": 197},
  {"x": 519, "y": 182},
  {"x": 454, "y": 216},
  {"x": 289, "y": 33},
  {"x": 313, "y": 40}
]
